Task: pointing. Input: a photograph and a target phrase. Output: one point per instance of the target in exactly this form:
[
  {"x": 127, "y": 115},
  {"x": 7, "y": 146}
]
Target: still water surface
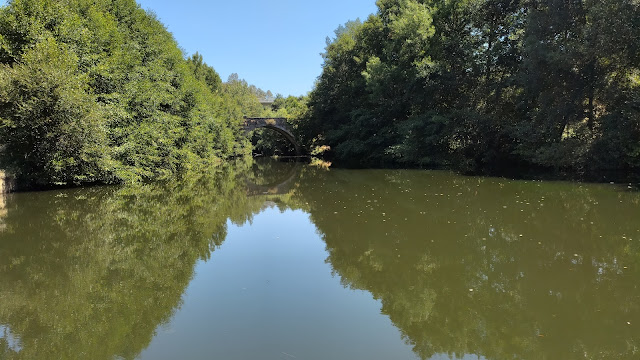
[{"x": 285, "y": 261}]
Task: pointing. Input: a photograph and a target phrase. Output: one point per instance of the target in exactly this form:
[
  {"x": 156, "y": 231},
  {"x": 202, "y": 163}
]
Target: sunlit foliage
[{"x": 99, "y": 91}]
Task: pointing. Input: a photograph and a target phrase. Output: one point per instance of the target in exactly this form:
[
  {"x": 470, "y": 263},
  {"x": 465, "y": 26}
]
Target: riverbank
[{"x": 537, "y": 173}]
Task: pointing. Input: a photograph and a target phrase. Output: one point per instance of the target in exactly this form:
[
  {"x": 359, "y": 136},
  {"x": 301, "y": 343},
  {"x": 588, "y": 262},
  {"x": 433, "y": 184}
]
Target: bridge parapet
[{"x": 251, "y": 124}]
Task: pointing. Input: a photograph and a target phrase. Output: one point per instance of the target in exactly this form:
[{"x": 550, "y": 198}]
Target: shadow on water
[{"x": 496, "y": 268}]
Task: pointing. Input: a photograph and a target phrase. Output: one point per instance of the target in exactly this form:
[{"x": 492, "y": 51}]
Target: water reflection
[
  {"x": 9, "y": 341},
  {"x": 91, "y": 273},
  {"x": 268, "y": 177},
  {"x": 501, "y": 269},
  {"x": 461, "y": 266}
]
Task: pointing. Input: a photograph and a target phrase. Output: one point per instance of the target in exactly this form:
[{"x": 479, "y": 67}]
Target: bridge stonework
[{"x": 277, "y": 124}]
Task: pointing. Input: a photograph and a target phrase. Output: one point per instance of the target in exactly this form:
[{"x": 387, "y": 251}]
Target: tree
[
  {"x": 119, "y": 102},
  {"x": 483, "y": 86},
  {"x": 52, "y": 129},
  {"x": 204, "y": 72}
]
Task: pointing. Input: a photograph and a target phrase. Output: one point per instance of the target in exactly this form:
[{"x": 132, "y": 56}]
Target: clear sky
[{"x": 273, "y": 44}]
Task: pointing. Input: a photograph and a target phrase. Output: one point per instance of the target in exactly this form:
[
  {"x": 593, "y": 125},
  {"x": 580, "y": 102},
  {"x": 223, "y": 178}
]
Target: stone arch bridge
[
  {"x": 277, "y": 124},
  {"x": 281, "y": 186}
]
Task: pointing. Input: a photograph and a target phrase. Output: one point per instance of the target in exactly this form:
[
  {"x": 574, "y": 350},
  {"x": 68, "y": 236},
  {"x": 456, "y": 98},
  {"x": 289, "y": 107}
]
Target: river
[{"x": 287, "y": 261}]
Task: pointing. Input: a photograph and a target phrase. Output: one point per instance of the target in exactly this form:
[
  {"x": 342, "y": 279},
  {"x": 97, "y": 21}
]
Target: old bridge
[
  {"x": 277, "y": 124},
  {"x": 281, "y": 186}
]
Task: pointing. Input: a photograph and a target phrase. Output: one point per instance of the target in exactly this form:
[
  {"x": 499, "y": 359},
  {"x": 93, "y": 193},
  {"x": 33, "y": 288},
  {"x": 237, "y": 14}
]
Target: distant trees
[
  {"x": 291, "y": 107},
  {"x": 98, "y": 91},
  {"x": 246, "y": 97},
  {"x": 484, "y": 86}
]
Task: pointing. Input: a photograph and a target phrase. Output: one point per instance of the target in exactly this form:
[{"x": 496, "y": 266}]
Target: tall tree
[
  {"x": 118, "y": 102},
  {"x": 483, "y": 86}
]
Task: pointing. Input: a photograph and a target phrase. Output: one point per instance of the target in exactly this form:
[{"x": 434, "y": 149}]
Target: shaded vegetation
[{"x": 484, "y": 86}]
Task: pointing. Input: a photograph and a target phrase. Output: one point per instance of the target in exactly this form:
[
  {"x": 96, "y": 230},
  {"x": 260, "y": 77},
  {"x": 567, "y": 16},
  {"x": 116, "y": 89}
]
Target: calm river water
[{"x": 286, "y": 261}]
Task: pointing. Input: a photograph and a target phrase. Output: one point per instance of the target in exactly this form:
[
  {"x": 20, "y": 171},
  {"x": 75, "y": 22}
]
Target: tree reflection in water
[
  {"x": 461, "y": 265},
  {"x": 497, "y": 268},
  {"x": 91, "y": 273}
]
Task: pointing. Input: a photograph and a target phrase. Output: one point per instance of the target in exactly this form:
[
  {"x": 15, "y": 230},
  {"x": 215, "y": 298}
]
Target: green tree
[
  {"x": 204, "y": 72},
  {"x": 142, "y": 111},
  {"x": 495, "y": 86},
  {"x": 53, "y": 130}
]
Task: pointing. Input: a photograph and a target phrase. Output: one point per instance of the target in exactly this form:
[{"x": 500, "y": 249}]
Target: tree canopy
[
  {"x": 484, "y": 86},
  {"x": 99, "y": 91}
]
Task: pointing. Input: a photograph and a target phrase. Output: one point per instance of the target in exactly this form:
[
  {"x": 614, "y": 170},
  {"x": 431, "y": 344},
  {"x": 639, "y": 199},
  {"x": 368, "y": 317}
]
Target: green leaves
[
  {"x": 52, "y": 128},
  {"x": 412, "y": 26},
  {"x": 99, "y": 91},
  {"x": 521, "y": 84}
]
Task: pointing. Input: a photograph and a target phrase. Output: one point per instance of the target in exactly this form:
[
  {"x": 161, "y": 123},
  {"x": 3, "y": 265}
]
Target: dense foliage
[
  {"x": 484, "y": 86},
  {"x": 99, "y": 91}
]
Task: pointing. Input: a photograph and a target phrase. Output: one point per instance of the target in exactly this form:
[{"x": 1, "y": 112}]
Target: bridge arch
[
  {"x": 281, "y": 186},
  {"x": 279, "y": 125}
]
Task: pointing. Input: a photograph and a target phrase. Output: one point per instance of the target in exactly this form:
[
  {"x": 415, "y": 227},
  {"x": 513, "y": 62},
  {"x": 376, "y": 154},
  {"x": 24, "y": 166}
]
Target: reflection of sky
[
  {"x": 268, "y": 293},
  {"x": 14, "y": 343}
]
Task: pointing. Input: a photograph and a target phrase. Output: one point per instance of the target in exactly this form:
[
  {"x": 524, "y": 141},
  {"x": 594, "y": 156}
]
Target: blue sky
[{"x": 273, "y": 44}]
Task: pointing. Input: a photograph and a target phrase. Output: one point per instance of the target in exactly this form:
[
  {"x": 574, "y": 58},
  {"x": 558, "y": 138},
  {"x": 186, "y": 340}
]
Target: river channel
[{"x": 275, "y": 260}]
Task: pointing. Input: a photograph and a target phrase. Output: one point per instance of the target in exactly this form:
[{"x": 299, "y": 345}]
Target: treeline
[
  {"x": 99, "y": 91},
  {"x": 484, "y": 86}
]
